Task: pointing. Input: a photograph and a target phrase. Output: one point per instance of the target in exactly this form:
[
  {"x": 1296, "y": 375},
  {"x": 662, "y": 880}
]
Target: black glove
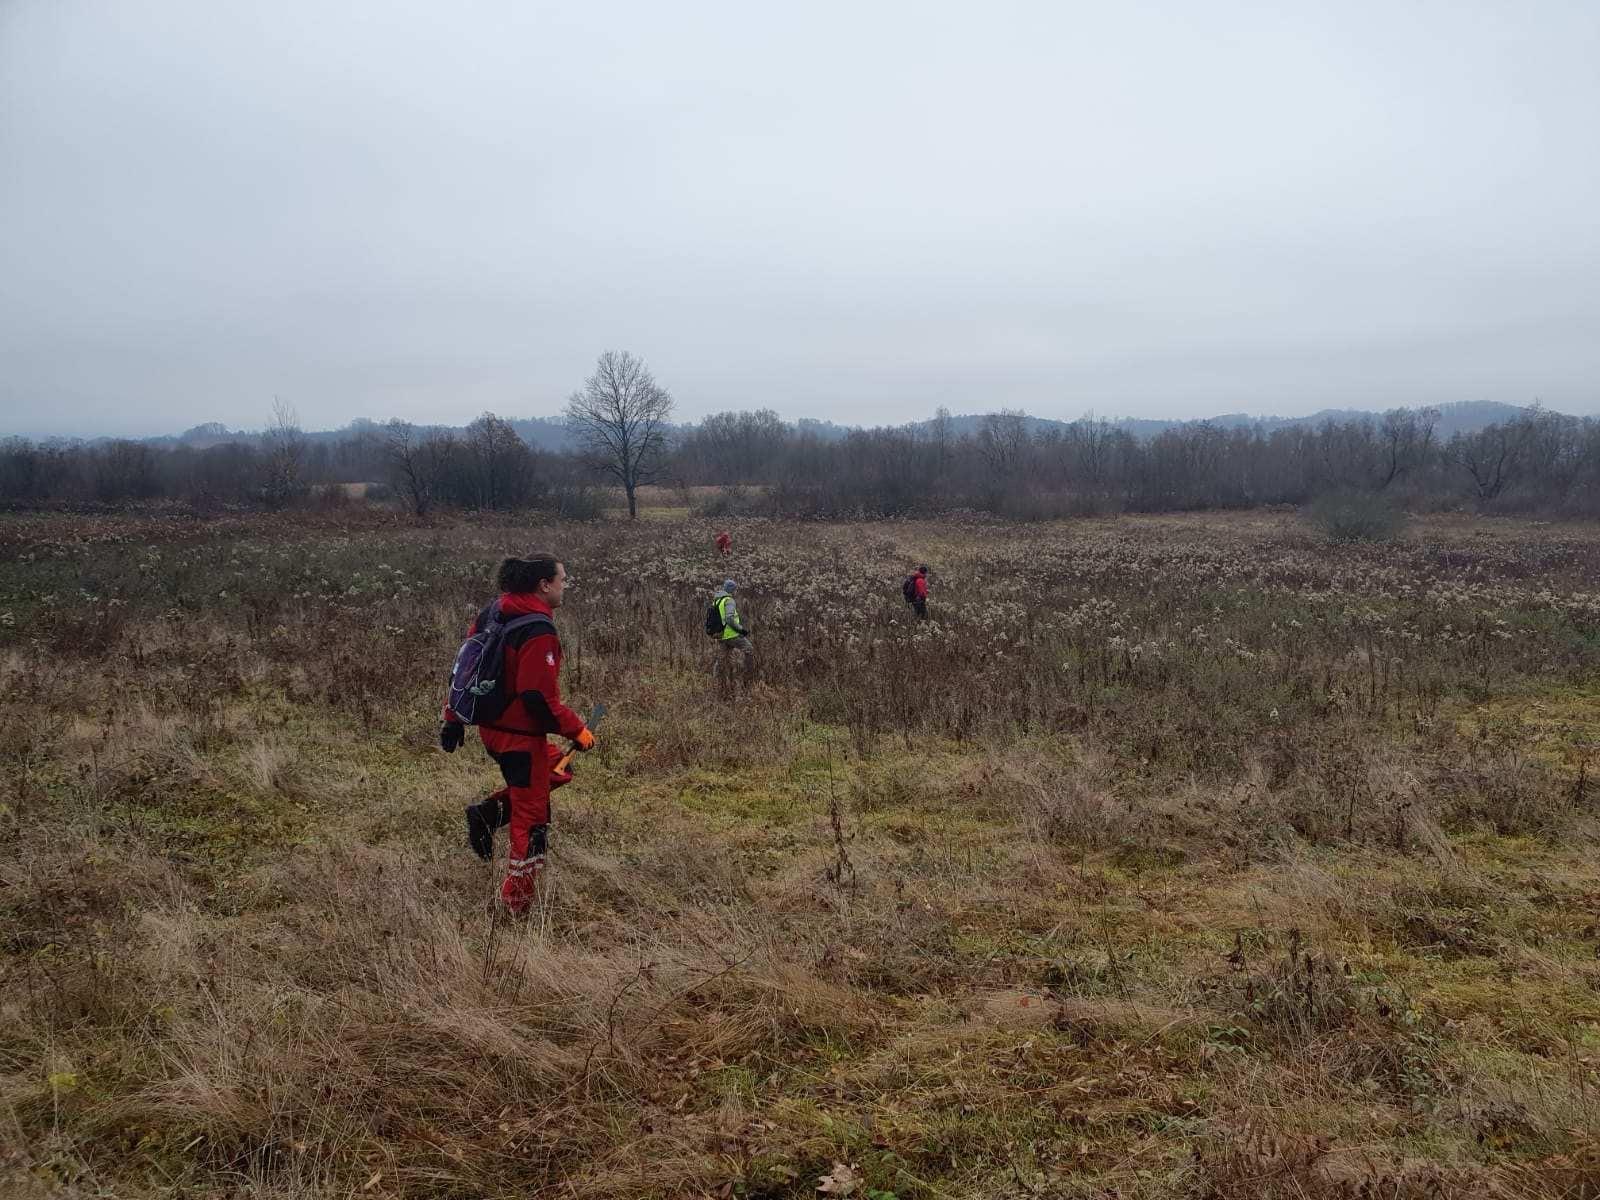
[{"x": 450, "y": 735}]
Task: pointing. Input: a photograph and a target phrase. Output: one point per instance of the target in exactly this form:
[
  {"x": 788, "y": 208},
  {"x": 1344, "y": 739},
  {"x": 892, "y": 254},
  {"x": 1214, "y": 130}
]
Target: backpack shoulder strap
[{"x": 526, "y": 621}]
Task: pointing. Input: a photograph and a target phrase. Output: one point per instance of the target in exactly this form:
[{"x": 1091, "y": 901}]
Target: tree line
[
  {"x": 485, "y": 466},
  {"x": 1536, "y": 462}
]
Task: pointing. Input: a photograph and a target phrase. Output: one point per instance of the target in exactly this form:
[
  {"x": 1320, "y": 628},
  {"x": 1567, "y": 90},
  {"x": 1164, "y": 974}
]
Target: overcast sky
[{"x": 854, "y": 211}]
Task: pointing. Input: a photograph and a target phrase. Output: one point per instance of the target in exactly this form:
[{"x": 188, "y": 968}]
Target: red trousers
[{"x": 524, "y": 804}]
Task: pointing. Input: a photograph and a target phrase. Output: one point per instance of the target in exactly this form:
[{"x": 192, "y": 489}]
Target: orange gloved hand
[{"x": 584, "y": 740}]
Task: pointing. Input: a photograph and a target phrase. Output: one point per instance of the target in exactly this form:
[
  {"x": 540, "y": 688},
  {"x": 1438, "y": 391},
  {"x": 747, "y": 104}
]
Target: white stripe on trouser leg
[{"x": 521, "y": 868}]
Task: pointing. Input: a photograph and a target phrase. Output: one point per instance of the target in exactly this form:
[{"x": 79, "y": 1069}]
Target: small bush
[
  {"x": 1355, "y": 517},
  {"x": 575, "y": 502},
  {"x": 330, "y": 497},
  {"x": 729, "y": 501}
]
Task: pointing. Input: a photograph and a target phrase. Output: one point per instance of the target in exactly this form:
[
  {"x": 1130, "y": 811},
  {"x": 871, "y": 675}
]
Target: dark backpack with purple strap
[{"x": 479, "y": 691}]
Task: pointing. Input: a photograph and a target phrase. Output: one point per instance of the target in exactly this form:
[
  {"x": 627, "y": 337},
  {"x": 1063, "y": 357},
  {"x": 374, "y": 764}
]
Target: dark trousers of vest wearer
[{"x": 722, "y": 667}]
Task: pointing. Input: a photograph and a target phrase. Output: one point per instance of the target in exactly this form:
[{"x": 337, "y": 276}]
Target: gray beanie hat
[{"x": 728, "y": 585}]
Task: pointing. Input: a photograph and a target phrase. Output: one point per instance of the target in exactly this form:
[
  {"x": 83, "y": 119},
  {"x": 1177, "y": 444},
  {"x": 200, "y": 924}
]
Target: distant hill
[
  {"x": 1467, "y": 416},
  {"x": 551, "y": 433},
  {"x": 542, "y": 433},
  {"x": 545, "y": 433}
]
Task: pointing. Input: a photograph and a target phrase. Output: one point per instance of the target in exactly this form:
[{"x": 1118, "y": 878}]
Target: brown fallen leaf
[{"x": 841, "y": 1181}]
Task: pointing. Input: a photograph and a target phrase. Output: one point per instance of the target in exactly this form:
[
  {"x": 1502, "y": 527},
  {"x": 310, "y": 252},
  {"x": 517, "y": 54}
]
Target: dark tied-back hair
[{"x": 526, "y": 574}]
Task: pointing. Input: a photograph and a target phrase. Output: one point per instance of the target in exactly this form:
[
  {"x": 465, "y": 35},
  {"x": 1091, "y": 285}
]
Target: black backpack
[
  {"x": 714, "y": 625},
  {"x": 908, "y": 589}
]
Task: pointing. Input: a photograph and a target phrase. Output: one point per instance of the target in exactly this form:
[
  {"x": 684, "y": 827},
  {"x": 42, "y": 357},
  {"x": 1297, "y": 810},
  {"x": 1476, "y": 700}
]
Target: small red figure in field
[{"x": 724, "y": 543}]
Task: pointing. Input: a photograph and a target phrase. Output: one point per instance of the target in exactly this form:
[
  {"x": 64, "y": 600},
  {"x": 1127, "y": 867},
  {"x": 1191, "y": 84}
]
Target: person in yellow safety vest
[{"x": 734, "y": 639}]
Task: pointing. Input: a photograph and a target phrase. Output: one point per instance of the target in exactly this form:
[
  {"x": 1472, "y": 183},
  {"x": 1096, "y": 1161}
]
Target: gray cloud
[{"x": 844, "y": 211}]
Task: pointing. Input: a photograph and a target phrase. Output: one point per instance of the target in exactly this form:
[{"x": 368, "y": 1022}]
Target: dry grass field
[{"x": 1176, "y": 857}]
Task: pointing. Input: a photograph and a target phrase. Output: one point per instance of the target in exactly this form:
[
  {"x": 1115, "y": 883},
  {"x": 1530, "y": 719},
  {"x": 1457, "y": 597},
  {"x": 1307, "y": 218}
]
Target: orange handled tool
[{"x": 565, "y": 760}]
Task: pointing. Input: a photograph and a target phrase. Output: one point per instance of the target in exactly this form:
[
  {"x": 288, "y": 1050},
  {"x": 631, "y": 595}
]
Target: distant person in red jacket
[
  {"x": 516, "y": 741},
  {"x": 915, "y": 590},
  {"x": 724, "y": 543}
]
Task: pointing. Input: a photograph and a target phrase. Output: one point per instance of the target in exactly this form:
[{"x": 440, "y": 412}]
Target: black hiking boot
[{"x": 480, "y": 833}]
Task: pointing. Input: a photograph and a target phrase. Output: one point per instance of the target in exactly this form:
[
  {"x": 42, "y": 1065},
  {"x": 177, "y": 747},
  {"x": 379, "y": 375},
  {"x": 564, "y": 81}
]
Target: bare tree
[
  {"x": 125, "y": 470},
  {"x": 1555, "y": 457},
  {"x": 502, "y": 463},
  {"x": 1405, "y": 437},
  {"x": 736, "y": 447},
  {"x": 1087, "y": 442},
  {"x": 1493, "y": 456},
  {"x": 417, "y": 462},
  {"x": 285, "y": 446},
  {"x": 941, "y": 434},
  {"x": 1003, "y": 441},
  {"x": 619, "y": 418}
]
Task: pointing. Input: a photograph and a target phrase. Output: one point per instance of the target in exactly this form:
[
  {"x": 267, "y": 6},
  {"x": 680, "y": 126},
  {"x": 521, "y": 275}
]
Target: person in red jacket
[
  {"x": 916, "y": 590},
  {"x": 516, "y": 741},
  {"x": 724, "y": 543}
]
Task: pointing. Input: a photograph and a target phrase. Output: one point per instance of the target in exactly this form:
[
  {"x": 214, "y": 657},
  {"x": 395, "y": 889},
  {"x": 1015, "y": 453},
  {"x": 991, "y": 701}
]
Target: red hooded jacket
[{"x": 533, "y": 666}]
